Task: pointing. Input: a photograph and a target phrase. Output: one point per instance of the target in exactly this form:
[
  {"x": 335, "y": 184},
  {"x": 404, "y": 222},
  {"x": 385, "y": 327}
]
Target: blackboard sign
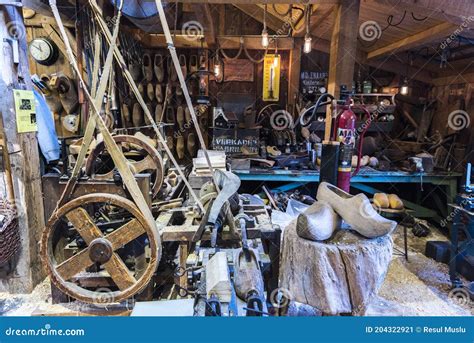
[{"x": 311, "y": 81}]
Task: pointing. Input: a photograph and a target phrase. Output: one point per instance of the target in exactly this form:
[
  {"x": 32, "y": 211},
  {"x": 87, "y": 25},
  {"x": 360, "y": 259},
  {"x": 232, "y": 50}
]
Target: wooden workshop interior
[{"x": 208, "y": 158}]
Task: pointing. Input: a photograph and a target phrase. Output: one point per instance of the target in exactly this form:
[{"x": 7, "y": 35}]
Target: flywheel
[
  {"x": 101, "y": 231},
  {"x": 142, "y": 156}
]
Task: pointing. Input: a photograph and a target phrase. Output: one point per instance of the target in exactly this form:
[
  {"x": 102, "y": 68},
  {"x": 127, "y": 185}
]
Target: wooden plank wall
[{"x": 62, "y": 65}]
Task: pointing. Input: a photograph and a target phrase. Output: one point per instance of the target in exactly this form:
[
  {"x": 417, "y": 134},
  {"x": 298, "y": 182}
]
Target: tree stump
[{"x": 337, "y": 276}]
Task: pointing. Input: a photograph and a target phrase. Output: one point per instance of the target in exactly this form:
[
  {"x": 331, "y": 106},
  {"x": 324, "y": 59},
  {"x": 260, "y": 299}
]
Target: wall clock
[{"x": 44, "y": 51}]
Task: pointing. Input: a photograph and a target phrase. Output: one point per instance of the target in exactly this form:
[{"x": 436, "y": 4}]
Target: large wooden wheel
[
  {"x": 151, "y": 162},
  {"x": 99, "y": 250}
]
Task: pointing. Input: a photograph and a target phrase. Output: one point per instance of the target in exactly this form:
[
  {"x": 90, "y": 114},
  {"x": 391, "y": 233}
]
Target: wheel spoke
[
  {"x": 146, "y": 164},
  {"x": 119, "y": 272},
  {"x": 74, "y": 265},
  {"x": 84, "y": 224},
  {"x": 126, "y": 233}
]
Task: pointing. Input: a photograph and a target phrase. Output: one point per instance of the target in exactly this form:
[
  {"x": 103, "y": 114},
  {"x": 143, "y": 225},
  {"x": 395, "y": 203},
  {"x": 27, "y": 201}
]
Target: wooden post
[
  {"x": 343, "y": 50},
  {"x": 23, "y": 155},
  {"x": 294, "y": 71},
  {"x": 183, "y": 255}
]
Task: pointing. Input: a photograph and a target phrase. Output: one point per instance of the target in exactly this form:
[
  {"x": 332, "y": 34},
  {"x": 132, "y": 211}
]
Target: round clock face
[{"x": 43, "y": 51}]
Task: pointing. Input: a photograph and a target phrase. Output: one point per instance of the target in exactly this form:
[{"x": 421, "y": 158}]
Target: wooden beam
[
  {"x": 317, "y": 20},
  {"x": 343, "y": 51},
  {"x": 423, "y": 37},
  {"x": 38, "y": 20},
  {"x": 52, "y": 33},
  {"x": 24, "y": 159},
  {"x": 226, "y": 42},
  {"x": 255, "y": 11},
  {"x": 253, "y": 42},
  {"x": 204, "y": 16},
  {"x": 296, "y": 17}
]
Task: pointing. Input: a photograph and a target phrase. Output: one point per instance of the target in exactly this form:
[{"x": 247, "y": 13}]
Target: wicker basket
[{"x": 9, "y": 234}]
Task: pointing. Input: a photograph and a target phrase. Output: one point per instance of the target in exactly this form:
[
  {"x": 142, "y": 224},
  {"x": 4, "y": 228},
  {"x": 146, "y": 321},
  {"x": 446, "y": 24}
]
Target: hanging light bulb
[
  {"x": 307, "y": 44},
  {"x": 265, "y": 40},
  {"x": 276, "y": 57},
  {"x": 307, "y": 36},
  {"x": 276, "y": 60},
  {"x": 217, "y": 69},
  {"x": 217, "y": 66},
  {"x": 404, "y": 87}
]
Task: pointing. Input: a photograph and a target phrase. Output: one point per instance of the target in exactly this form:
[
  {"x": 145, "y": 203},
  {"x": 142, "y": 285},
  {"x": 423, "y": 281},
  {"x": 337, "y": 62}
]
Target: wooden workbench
[{"x": 447, "y": 182}]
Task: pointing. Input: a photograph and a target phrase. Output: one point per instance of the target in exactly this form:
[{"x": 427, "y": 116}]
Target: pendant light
[
  {"x": 307, "y": 36},
  {"x": 265, "y": 40},
  {"x": 217, "y": 65},
  {"x": 404, "y": 87}
]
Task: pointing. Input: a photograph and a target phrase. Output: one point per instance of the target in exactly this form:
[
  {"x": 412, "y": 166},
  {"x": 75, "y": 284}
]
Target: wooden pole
[
  {"x": 24, "y": 156},
  {"x": 343, "y": 51}
]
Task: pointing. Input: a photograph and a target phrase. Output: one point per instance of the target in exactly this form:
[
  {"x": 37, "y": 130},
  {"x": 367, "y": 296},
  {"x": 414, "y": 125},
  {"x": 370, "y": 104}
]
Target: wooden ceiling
[
  {"x": 401, "y": 26},
  {"x": 415, "y": 26}
]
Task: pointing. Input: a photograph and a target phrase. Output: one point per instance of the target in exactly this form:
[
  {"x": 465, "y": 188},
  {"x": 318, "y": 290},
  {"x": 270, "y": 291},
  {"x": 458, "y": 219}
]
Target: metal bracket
[{"x": 16, "y": 53}]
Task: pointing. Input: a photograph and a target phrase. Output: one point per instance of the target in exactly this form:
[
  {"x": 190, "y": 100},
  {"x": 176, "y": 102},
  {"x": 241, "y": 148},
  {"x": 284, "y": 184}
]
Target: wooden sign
[
  {"x": 271, "y": 78},
  {"x": 238, "y": 70}
]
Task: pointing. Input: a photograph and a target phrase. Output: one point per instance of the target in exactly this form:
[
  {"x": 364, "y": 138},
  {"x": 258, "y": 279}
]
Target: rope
[
  {"x": 227, "y": 57},
  {"x": 255, "y": 60}
]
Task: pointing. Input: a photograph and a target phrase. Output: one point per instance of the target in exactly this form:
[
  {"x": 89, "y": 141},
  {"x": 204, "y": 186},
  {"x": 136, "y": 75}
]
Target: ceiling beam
[
  {"x": 418, "y": 39},
  {"x": 316, "y": 20},
  {"x": 300, "y": 23},
  {"x": 156, "y": 40},
  {"x": 255, "y": 11}
]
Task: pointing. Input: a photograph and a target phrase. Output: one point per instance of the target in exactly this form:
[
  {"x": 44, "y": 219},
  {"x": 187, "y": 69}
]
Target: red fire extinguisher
[{"x": 346, "y": 134}]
